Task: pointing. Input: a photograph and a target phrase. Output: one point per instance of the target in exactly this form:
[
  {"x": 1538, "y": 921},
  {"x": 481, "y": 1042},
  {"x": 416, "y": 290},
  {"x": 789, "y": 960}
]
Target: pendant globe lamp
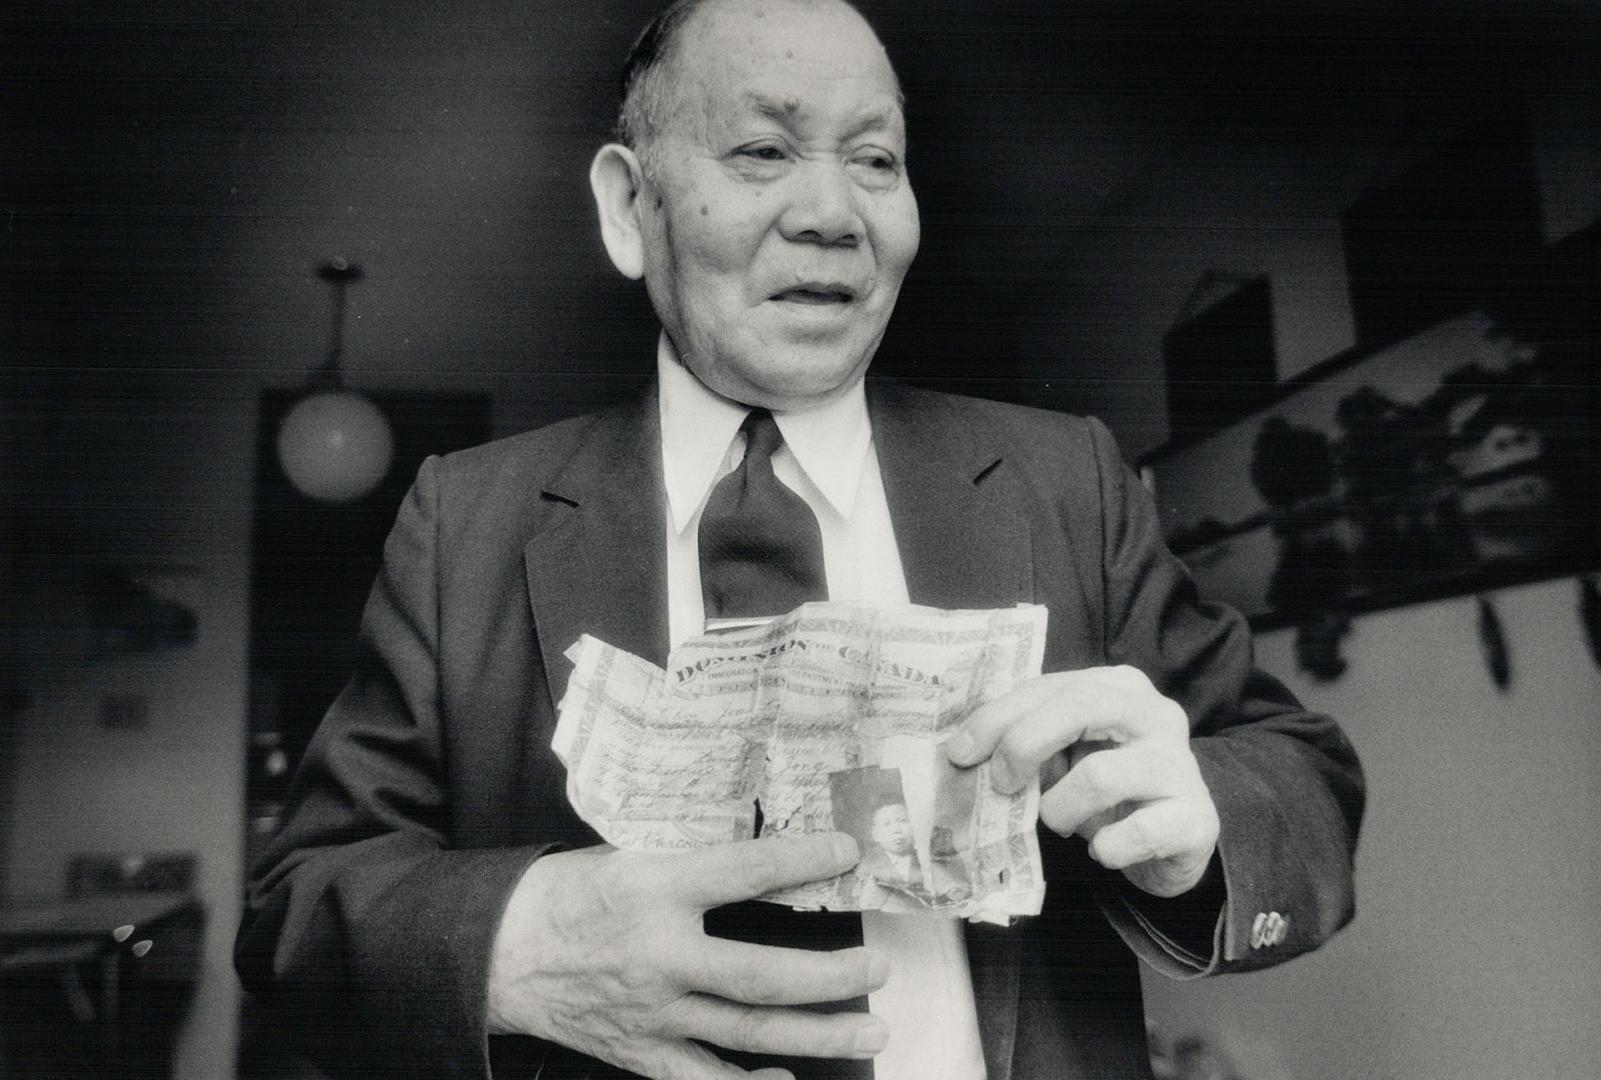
[{"x": 335, "y": 445}]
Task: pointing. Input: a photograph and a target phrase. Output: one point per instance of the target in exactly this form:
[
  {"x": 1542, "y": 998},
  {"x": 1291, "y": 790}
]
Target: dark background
[{"x": 174, "y": 170}]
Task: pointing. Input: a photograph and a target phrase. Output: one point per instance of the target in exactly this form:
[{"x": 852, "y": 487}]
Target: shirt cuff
[{"x": 1180, "y": 936}]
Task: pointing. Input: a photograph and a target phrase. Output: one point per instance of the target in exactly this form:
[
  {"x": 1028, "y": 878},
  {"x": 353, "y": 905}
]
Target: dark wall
[{"x": 175, "y": 171}]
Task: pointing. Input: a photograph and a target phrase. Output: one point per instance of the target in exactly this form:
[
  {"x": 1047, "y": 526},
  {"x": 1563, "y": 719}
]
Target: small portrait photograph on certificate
[{"x": 870, "y": 804}]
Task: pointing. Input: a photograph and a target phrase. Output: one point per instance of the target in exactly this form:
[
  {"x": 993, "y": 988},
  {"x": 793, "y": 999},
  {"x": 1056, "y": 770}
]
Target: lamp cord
[{"x": 339, "y": 274}]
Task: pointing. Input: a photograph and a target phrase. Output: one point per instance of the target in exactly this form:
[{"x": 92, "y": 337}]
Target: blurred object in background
[
  {"x": 335, "y": 445},
  {"x": 1188, "y": 1057},
  {"x": 98, "y": 983}
]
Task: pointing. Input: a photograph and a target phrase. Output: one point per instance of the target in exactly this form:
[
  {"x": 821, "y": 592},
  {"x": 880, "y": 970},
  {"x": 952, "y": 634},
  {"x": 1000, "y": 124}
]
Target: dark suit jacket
[{"x": 431, "y": 784}]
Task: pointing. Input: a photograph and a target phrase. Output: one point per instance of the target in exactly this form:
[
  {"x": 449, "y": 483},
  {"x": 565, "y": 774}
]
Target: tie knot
[{"x": 762, "y": 434}]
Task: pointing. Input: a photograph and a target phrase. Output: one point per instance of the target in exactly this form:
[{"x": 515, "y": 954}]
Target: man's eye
[
  {"x": 877, "y": 162},
  {"x": 766, "y": 152},
  {"x": 876, "y": 169}
]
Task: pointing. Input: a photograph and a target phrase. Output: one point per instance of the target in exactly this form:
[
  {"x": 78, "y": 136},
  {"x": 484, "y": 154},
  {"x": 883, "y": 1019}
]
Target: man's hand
[
  {"x": 1115, "y": 766},
  {"x": 604, "y": 951}
]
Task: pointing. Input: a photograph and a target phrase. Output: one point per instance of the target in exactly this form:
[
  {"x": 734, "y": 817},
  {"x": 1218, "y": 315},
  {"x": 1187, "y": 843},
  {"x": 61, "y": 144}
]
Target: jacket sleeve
[
  {"x": 366, "y": 937},
  {"x": 1287, "y": 784}
]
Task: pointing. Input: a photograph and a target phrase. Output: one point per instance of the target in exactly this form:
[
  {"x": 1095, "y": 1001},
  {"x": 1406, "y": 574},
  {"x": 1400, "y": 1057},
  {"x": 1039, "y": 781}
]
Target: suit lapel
[
  {"x": 964, "y": 544},
  {"x": 962, "y": 539},
  {"x": 597, "y": 564}
]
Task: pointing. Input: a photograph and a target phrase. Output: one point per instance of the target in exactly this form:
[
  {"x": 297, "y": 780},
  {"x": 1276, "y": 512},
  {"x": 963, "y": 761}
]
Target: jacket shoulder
[
  {"x": 525, "y": 459},
  {"x": 1023, "y": 434},
  {"x": 494, "y": 493}
]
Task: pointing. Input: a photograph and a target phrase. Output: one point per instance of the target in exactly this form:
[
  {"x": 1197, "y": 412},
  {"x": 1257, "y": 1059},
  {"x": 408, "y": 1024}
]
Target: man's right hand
[{"x": 604, "y": 951}]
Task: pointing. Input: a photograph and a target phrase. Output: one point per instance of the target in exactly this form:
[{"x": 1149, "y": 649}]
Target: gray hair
[{"x": 646, "y": 87}]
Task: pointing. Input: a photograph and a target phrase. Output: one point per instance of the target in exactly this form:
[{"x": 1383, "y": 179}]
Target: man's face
[
  {"x": 777, "y": 218},
  {"x": 892, "y": 829}
]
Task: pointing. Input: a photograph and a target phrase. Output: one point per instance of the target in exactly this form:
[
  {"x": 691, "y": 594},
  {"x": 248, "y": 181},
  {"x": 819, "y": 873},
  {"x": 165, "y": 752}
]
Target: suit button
[
  {"x": 1281, "y": 929},
  {"x": 1258, "y": 930}
]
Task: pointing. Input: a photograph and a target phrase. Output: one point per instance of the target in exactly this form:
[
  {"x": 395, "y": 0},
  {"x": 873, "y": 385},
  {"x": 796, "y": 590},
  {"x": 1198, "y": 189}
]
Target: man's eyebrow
[
  {"x": 887, "y": 119},
  {"x": 784, "y": 110},
  {"x": 772, "y": 108}
]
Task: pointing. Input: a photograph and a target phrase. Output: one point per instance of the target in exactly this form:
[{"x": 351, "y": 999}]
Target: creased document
[{"x": 831, "y": 717}]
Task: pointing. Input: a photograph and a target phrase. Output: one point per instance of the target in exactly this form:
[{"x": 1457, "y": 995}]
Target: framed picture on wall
[{"x": 1458, "y": 459}]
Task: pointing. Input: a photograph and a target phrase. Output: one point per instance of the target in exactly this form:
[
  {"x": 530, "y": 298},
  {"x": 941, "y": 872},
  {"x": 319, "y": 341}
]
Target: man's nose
[{"x": 823, "y": 207}]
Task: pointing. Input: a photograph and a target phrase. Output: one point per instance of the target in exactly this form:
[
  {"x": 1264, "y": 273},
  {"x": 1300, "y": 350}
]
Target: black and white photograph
[
  {"x": 869, "y": 804},
  {"x": 368, "y": 368}
]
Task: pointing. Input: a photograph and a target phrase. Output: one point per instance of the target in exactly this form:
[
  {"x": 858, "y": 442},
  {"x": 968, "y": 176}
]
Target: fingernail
[
  {"x": 960, "y": 747},
  {"x": 845, "y": 849},
  {"x": 877, "y": 967},
  {"x": 872, "y": 1036}
]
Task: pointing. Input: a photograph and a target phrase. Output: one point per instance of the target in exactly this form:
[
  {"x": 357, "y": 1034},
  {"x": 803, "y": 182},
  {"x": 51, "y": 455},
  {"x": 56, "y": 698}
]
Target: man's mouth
[{"x": 816, "y": 293}]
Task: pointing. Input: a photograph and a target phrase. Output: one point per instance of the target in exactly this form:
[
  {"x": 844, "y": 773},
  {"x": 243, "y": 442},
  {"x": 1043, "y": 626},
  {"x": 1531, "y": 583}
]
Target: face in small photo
[
  {"x": 858, "y": 795},
  {"x": 892, "y": 829},
  {"x": 890, "y": 868}
]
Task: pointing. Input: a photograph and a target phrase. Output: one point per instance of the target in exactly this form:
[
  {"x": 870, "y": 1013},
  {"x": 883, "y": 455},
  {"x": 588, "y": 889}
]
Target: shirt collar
[{"x": 828, "y": 442}]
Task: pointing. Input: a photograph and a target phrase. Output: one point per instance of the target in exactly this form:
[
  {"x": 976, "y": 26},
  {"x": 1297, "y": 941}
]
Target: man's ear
[{"x": 617, "y": 181}]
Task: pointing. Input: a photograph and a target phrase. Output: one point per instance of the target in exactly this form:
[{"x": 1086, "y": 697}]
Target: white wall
[
  {"x": 154, "y": 476},
  {"x": 1474, "y": 954}
]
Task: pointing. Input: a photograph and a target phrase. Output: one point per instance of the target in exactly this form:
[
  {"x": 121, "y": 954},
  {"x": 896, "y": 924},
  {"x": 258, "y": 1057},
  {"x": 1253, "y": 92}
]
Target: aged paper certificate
[{"x": 831, "y": 717}]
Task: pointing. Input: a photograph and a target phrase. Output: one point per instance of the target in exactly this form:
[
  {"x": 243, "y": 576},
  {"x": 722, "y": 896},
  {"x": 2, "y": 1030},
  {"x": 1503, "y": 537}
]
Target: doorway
[{"x": 312, "y": 565}]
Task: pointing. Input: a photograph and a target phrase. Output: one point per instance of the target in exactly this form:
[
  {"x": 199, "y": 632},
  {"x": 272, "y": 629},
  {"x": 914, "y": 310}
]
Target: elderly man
[{"x": 433, "y": 906}]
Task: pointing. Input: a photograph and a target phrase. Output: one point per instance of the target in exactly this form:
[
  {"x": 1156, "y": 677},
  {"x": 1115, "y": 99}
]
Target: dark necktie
[{"x": 761, "y": 553}]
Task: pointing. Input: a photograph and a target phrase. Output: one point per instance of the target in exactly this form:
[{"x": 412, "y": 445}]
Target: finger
[
  {"x": 1094, "y": 712},
  {"x": 1170, "y": 828},
  {"x": 978, "y": 735},
  {"x": 1099, "y": 782},
  {"x": 1111, "y": 704},
  {"x": 757, "y": 1029},
  {"x": 1026, "y": 746},
  {"x": 765, "y": 975},
  {"x": 683, "y": 1060},
  {"x": 729, "y": 873}
]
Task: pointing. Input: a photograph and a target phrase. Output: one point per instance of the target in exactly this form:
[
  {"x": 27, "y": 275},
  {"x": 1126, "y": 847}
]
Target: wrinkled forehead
[{"x": 786, "y": 60}]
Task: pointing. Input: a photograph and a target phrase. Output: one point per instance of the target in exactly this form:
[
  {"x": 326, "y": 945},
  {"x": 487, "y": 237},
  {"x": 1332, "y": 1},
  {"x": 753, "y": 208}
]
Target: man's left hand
[{"x": 1115, "y": 766}]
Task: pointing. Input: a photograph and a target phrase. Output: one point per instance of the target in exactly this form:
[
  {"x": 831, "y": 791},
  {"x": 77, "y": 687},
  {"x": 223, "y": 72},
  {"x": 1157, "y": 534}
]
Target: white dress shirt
[{"x": 828, "y": 460}]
